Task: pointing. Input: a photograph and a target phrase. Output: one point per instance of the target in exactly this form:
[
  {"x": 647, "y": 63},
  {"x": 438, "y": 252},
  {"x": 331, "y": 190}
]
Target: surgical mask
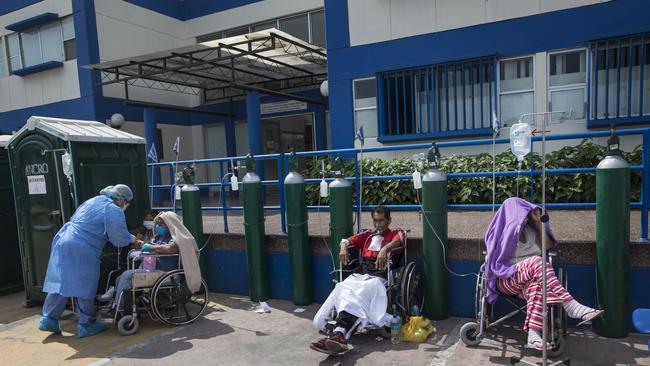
[
  {"x": 125, "y": 206},
  {"x": 161, "y": 230},
  {"x": 148, "y": 224}
]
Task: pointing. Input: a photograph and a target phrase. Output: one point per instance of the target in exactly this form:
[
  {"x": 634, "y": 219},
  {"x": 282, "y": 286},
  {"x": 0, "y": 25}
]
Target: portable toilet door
[
  {"x": 46, "y": 197},
  {"x": 11, "y": 278},
  {"x": 40, "y": 206}
]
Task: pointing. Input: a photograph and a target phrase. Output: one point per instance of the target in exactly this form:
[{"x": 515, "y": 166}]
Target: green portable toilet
[
  {"x": 11, "y": 275},
  {"x": 57, "y": 164}
]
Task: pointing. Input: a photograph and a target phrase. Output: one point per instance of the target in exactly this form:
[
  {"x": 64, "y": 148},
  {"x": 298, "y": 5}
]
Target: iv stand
[{"x": 514, "y": 360}]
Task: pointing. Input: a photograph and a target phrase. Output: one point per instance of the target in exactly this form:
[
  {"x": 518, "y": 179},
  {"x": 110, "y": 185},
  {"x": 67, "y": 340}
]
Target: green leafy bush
[{"x": 563, "y": 188}]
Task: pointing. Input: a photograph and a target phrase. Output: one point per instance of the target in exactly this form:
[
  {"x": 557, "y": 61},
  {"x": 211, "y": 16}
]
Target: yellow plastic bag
[{"x": 416, "y": 330}]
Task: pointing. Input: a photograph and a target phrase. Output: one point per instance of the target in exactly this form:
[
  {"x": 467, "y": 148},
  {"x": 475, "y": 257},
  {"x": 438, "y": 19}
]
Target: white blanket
[
  {"x": 187, "y": 248},
  {"x": 363, "y": 296}
]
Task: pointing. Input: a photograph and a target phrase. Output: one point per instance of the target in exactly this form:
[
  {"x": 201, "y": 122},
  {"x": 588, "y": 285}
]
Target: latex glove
[{"x": 146, "y": 248}]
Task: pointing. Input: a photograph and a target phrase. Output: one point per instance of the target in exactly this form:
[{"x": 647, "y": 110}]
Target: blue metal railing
[
  {"x": 224, "y": 186},
  {"x": 281, "y": 164}
]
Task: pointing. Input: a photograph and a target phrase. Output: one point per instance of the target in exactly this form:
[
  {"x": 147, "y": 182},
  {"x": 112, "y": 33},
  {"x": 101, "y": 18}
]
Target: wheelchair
[
  {"x": 404, "y": 286},
  {"x": 472, "y": 333},
  {"x": 163, "y": 296}
]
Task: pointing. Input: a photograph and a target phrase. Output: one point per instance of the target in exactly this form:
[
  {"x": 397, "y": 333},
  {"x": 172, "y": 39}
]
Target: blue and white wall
[
  {"x": 109, "y": 30},
  {"x": 49, "y": 86},
  {"x": 369, "y": 37}
]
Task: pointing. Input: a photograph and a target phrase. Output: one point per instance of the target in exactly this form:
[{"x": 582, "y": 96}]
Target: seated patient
[
  {"x": 360, "y": 299},
  {"x": 146, "y": 231},
  {"x": 514, "y": 263},
  {"x": 162, "y": 243}
]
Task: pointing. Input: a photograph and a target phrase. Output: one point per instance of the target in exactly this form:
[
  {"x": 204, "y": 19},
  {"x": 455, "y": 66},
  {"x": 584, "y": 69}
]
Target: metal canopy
[{"x": 269, "y": 61}]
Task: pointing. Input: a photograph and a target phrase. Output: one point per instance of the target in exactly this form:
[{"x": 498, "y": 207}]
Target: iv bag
[
  {"x": 520, "y": 140},
  {"x": 66, "y": 161}
]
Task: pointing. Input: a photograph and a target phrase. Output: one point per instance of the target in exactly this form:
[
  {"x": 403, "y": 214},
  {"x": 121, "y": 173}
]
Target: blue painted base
[{"x": 227, "y": 273}]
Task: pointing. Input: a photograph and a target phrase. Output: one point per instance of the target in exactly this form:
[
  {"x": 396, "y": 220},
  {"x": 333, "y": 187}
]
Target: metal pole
[
  {"x": 283, "y": 220},
  {"x": 58, "y": 182},
  {"x": 645, "y": 187},
  {"x": 544, "y": 305}
]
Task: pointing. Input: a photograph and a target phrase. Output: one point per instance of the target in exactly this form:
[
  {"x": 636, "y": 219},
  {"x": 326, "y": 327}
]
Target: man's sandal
[
  {"x": 590, "y": 316},
  {"x": 320, "y": 347}
]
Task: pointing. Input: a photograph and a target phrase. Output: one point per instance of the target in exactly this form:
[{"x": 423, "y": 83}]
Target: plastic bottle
[
  {"x": 234, "y": 183},
  {"x": 417, "y": 180},
  {"x": 323, "y": 188},
  {"x": 395, "y": 328},
  {"x": 520, "y": 140},
  {"x": 415, "y": 310}
]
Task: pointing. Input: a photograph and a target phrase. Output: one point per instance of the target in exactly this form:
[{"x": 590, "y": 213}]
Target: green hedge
[{"x": 564, "y": 188}]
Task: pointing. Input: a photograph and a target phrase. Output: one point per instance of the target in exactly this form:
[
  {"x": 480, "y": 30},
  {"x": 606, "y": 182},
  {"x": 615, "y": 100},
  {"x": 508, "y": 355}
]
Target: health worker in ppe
[{"x": 73, "y": 269}]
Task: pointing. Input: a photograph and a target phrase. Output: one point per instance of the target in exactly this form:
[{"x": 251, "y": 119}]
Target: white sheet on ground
[{"x": 363, "y": 296}]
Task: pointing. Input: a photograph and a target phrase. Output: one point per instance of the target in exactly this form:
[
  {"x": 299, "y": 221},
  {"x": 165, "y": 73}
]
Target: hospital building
[{"x": 272, "y": 76}]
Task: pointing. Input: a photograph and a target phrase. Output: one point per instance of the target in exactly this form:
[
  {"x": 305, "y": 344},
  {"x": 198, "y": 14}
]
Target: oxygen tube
[
  {"x": 234, "y": 186},
  {"x": 433, "y": 162}
]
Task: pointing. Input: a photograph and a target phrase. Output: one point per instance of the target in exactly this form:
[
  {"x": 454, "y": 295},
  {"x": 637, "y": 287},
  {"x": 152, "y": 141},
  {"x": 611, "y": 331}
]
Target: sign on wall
[{"x": 284, "y": 106}]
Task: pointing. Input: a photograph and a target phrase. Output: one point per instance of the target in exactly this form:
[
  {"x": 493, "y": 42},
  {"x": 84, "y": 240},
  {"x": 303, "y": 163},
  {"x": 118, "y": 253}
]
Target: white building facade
[{"x": 407, "y": 71}]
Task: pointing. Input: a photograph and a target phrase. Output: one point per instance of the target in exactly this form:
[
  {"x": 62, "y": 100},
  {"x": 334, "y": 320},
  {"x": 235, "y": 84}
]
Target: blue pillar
[
  {"x": 341, "y": 114},
  {"x": 321, "y": 128},
  {"x": 254, "y": 119},
  {"x": 151, "y": 139},
  {"x": 231, "y": 145}
]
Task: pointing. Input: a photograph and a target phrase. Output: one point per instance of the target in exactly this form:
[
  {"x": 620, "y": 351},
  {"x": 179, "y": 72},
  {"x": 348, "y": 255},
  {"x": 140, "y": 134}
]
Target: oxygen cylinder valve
[
  {"x": 337, "y": 166},
  {"x": 433, "y": 156},
  {"x": 250, "y": 163},
  {"x": 613, "y": 143},
  {"x": 188, "y": 175}
]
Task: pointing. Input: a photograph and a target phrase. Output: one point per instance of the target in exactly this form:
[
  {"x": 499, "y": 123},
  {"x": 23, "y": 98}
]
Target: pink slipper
[
  {"x": 590, "y": 316},
  {"x": 537, "y": 345}
]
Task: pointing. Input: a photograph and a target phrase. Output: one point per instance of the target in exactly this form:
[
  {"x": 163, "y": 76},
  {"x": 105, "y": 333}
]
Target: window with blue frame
[
  {"x": 620, "y": 80},
  {"x": 54, "y": 41},
  {"x": 453, "y": 99}
]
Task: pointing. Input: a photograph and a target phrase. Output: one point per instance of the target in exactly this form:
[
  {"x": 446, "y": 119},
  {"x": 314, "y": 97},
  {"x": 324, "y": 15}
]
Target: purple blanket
[{"x": 501, "y": 241}]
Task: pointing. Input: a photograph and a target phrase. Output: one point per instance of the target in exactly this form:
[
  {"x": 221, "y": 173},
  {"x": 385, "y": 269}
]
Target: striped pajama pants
[{"x": 527, "y": 285}]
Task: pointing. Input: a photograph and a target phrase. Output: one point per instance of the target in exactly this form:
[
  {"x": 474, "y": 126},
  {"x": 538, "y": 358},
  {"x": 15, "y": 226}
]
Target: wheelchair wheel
[
  {"x": 558, "y": 347},
  {"x": 411, "y": 292},
  {"x": 173, "y": 302},
  {"x": 128, "y": 325},
  {"x": 469, "y": 334}
]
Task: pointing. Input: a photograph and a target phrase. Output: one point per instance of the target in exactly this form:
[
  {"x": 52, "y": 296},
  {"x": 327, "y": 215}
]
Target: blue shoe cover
[
  {"x": 91, "y": 329},
  {"x": 49, "y": 325}
]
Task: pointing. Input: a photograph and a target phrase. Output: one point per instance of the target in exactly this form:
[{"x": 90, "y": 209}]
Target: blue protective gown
[{"x": 73, "y": 270}]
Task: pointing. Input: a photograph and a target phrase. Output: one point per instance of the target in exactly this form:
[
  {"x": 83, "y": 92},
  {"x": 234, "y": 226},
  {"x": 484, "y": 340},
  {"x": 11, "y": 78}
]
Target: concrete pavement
[{"x": 230, "y": 333}]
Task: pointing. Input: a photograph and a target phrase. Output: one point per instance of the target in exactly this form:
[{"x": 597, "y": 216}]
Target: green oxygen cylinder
[
  {"x": 340, "y": 193},
  {"x": 298, "y": 235},
  {"x": 192, "y": 215},
  {"x": 434, "y": 237},
  {"x": 253, "y": 202},
  {"x": 612, "y": 242}
]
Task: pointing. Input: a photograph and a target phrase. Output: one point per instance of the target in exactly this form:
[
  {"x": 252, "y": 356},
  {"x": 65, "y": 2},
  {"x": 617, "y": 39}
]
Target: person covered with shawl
[
  {"x": 172, "y": 237},
  {"x": 514, "y": 266}
]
